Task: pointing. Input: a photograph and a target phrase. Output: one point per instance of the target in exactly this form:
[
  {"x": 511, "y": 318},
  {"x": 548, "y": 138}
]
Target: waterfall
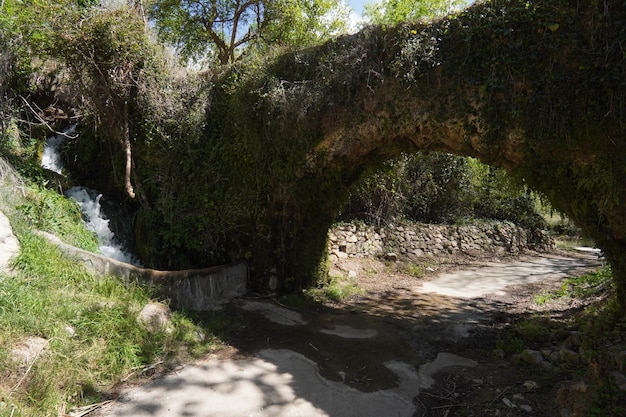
[
  {"x": 89, "y": 202},
  {"x": 51, "y": 157}
]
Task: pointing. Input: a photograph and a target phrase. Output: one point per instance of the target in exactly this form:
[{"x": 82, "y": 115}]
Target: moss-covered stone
[{"x": 535, "y": 87}]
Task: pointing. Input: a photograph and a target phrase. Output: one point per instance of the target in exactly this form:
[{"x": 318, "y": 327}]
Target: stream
[{"x": 89, "y": 202}]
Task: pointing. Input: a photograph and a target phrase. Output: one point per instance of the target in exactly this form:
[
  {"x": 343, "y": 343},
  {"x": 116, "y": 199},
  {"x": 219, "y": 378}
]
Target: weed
[
  {"x": 546, "y": 296},
  {"x": 414, "y": 270},
  {"x": 337, "y": 289},
  {"x": 46, "y": 210},
  {"x": 510, "y": 345},
  {"x": 579, "y": 287},
  {"x": 590, "y": 284},
  {"x": 533, "y": 330},
  {"x": 90, "y": 326}
]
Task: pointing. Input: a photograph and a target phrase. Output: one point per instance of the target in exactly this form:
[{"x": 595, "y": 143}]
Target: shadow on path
[{"x": 372, "y": 358}]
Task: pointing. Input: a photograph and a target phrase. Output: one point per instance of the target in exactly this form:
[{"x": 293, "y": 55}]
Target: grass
[
  {"x": 88, "y": 323},
  {"x": 415, "y": 270},
  {"x": 604, "y": 341},
  {"x": 337, "y": 289},
  {"x": 46, "y": 210},
  {"x": 603, "y": 335},
  {"x": 579, "y": 287}
]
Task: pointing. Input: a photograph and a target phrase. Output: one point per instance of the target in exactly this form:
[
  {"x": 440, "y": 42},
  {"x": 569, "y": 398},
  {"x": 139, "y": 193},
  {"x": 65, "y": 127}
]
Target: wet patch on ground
[
  {"x": 357, "y": 362},
  {"x": 397, "y": 322}
]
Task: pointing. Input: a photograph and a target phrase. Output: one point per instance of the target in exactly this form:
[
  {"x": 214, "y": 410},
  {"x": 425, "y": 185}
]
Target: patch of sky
[{"x": 356, "y": 15}]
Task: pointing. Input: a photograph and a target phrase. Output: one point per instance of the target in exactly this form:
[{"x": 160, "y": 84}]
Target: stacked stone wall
[{"x": 350, "y": 240}]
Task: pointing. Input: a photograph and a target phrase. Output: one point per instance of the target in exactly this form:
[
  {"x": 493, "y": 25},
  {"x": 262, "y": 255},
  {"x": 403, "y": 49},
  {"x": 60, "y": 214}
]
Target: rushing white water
[
  {"x": 51, "y": 158},
  {"x": 89, "y": 202}
]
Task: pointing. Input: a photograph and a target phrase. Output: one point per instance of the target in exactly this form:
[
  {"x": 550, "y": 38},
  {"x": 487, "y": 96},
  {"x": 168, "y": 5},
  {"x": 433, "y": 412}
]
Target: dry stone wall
[{"x": 351, "y": 240}]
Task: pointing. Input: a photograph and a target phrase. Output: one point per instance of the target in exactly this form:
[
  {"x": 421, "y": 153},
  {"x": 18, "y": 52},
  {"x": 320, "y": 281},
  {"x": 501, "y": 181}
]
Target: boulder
[
  {"x": 9, "y": 245},
  {"x": 155, "y": 317}
]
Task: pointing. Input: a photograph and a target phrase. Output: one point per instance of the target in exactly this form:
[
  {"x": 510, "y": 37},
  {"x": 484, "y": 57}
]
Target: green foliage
[
  {"x": 603, "y": 327},
  {"x": 338, "y": 288},
  {"x": 392, "y": 12},
  {"x": 26, "y": 35},
  {"x": 49, "y": 211},
  {"x": 224, "y": 31},
  {"x": 580, "y": 286},
  {"x": 106, "y": 53},
  {"x": 49, "y": 295},
  {"x": 416, "y": 271},
  {"x": 41, "y": 207},
  {"x": 441, "y": 188},
  {"x": 284, "y": 139},
  {"x": 298, "y": 23},
  {"x": 499, "y": 196}
]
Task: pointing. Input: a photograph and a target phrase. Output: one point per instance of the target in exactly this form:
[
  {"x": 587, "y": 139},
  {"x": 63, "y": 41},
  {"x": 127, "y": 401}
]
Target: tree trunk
[{"x": 128, "y": 186}]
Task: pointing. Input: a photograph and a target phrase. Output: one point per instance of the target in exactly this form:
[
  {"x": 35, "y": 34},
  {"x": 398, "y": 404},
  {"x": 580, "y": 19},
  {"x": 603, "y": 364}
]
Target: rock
[
  {"x": 530, "y": 385},
  {"x": 391, "y": 256},
  {"x": 526, "y": 408},
  {"x": 573, "y": 399},
  {"x": 508, "y": 402},
  {"x": 9, "y": 245},
  {"x": 433, "y": 239},
  {"x": 70, "y": 331},
  {"x": 552, "y": 355},
  {"x": 568, "y": 355},
  {"x": 532, "y": 357},
  {"x": 619, "y": 380},
  {"x": 155, "y": 317},
  {"x": 518, "y": 397},
  {"x": 573, "y": 342},
  {"x": 351, "y": 274},
  {"x": 26, "y": 351},
  {"x": 498, "y": 353}
]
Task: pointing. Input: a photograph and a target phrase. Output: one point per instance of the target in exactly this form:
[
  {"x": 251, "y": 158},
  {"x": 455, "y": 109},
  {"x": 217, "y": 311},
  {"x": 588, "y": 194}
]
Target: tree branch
[{"x": 43, "y": 122}]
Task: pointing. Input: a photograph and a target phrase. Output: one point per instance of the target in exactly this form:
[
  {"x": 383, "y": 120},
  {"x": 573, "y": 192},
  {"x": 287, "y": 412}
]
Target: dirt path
[{"x": 409, "y": 347}]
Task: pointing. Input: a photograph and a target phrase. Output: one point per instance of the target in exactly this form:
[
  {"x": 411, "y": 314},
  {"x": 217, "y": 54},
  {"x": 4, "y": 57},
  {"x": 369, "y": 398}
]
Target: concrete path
[
  {"x": 279, "y": 383},
  {"x": 496, "y": 278},
  {"x": 285, "y": 383}
]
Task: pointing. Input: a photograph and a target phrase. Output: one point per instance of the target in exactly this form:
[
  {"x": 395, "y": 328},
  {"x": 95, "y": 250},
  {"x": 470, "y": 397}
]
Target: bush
[{"x": 441, "y": 188}]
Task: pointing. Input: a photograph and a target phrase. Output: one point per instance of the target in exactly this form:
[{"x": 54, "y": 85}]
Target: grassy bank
[{"x": 67, "y": 336}]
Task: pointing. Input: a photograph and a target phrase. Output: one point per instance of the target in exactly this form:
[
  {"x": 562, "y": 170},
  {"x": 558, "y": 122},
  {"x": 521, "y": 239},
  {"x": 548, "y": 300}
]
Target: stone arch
[{"x": 537, "y": 88}]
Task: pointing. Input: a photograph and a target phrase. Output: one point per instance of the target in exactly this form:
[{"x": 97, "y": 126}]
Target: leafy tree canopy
[
  {"x": 391, "y": 12},
  {"x": 223, "y": 29}
]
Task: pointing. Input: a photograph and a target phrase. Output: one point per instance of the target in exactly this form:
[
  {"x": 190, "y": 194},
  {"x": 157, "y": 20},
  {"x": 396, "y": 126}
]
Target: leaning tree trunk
[
  {"x": 535, "y": 87},
  {"x": 128, "y": 152}
]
